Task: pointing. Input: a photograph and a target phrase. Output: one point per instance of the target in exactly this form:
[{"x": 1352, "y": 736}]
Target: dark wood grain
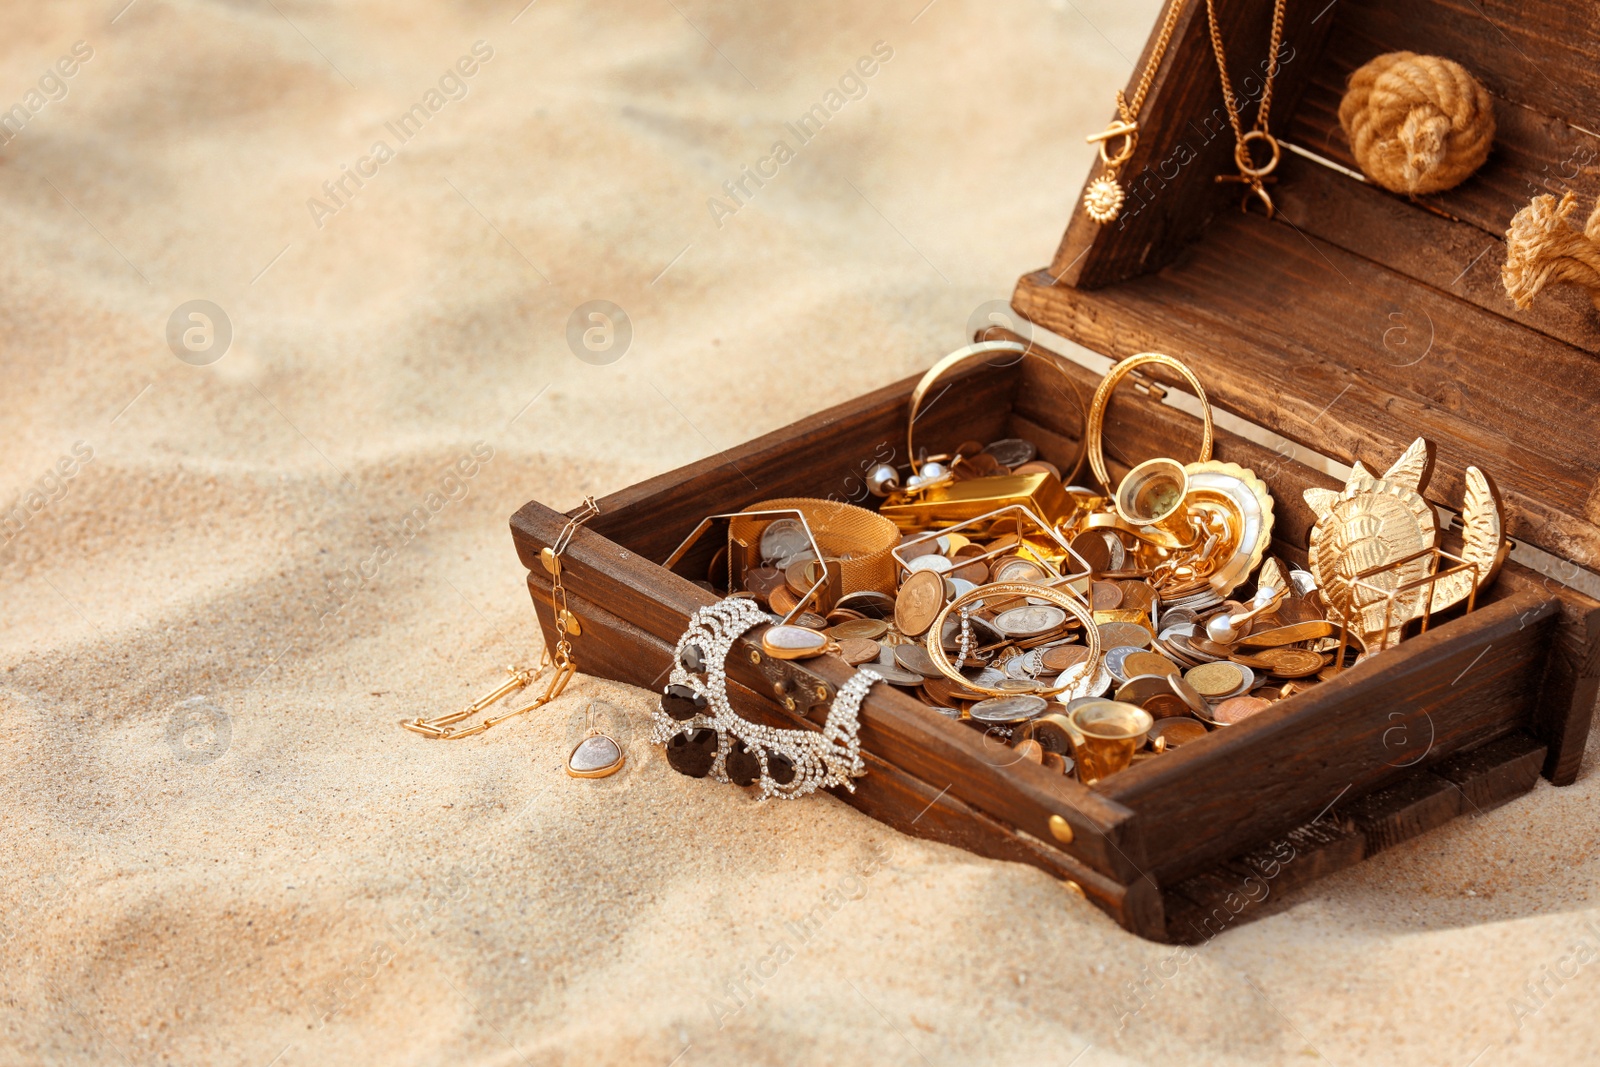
[
  {"x": 1300, "y": 337},
  {"x": 1492, "y": 774},
  {"x": 1404, "y": 810},
  {"x": 1248, "y": 886},
  {"x": 613, "y": 648},
  {"x": 1542, "y": 56},
  {"x": 1533, "y": 153},
  {"x": 1452, "y": 257}
]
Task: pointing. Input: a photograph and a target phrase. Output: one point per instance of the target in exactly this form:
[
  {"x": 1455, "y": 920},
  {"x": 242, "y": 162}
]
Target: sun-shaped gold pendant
[{"x": 1103, "y": 199}]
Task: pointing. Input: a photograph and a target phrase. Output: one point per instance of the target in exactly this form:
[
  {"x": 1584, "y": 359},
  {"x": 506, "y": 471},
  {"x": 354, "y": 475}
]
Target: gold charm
[
  {"x": 1375, "y": 521},
  {"x": 1103, "y": 199},
  {"x": 1483, "y": 542}
]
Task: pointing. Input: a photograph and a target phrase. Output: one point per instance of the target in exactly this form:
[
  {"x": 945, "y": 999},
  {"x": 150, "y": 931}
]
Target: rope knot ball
[{"x": 1417, "y": 124}]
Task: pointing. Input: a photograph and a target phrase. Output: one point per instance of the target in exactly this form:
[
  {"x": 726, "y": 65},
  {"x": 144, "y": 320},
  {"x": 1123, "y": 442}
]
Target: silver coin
[
  {"x": 1304, "y": 583},
  {"x": 1010, "y": 709},
  {"x": 1012, "y": 451},
  {"x": 915, "y": 658},
  {"x": 784, "y": 538},
  {"x": 1116, "y": 657},
  {"x": 986, "y": 677},
  {"x": 1030, "y": 621},
  {"x": 931, "y": 562},
  {"x": 897, "y": 675},
  {"x": 1081, "y": 684},
  {"x": 949, "y": 713},
  {"x": 1020, "y": 570},
  {"x": 958, "y": 587}
]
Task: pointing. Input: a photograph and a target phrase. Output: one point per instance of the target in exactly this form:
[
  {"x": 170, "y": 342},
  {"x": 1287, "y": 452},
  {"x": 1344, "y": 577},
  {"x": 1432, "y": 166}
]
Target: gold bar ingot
[{"x": 1041, "y": 492}]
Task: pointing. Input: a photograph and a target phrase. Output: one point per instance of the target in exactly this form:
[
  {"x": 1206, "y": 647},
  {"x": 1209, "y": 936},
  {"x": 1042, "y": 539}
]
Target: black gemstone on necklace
[
  {"x": 780, "y": 768},
  {"x": 693, "y": 754},
  {"x": 681, "y": 702},
  {"x": 742, "y": 765},
  {"x": 693, "y": 659}
]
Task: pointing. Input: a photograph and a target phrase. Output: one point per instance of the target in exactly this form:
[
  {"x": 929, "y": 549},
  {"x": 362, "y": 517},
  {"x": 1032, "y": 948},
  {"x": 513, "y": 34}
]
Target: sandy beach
[{"x": 242, "y": 549}]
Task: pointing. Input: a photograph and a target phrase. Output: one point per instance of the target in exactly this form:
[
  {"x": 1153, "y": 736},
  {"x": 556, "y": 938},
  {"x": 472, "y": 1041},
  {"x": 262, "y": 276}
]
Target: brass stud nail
[
  {"x": 822, "y": 692},
  {"x": 788, "y": 702},
  {"x": 1061, "y": 830},
  {"x": 755, "y": 655},
  {"x": 1075, "y": 889}
]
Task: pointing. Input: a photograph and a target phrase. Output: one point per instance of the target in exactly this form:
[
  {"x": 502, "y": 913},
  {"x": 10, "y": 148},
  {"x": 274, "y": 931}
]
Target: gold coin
[
  {"x": 919, "y": 602},
  {"x": 1287, "y": 635},
  {"x": 763, "y": 580},
  {"x": 1291, "y": 662},
  {"x": 802, "y": 576},
  {"x": 1165, "y": 705},
  {"x": 1237, "y": 709},
  {"x": 1061, "y": 657},
  {"x": 782, "y": 601},
  {"x": 858, "y": 650},
  {"x": 1178, "y": 731},
  {"x": 1214, "y": 679},
  {"x": 1119, "y": 634},
  {"x": 870, "y": 629},
  {"x": 976, "y": 572},
  {"x": 1148, "y": 663}
]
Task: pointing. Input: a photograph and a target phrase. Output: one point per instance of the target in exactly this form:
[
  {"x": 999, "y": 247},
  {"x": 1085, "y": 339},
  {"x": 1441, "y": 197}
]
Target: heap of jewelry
[{"x": 705, "y": 736}]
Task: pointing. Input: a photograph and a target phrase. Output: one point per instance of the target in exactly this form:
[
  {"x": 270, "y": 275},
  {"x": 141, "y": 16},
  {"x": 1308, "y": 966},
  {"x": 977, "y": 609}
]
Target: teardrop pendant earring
[{"x": 598, "y": 755}]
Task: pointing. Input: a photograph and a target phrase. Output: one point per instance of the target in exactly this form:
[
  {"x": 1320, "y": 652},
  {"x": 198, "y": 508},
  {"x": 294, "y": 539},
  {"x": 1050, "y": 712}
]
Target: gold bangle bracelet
[
  {"x": 1060, "y": 598},
  {"x": 987, "y": 348},
  {"x": 1095, "y": 431}
]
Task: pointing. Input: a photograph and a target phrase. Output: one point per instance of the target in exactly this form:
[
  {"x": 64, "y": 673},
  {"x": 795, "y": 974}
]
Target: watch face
[{"x": 1152, "y": 491}]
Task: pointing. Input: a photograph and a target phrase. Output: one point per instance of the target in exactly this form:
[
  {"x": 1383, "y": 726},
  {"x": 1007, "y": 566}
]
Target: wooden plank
[
  {"x": 1533, "y": 153},
  {"x": 1186, "y": 141},
  {"x": 1325, "y": 376},
  {"x": 1404, "y": 810},
  {"x": 612, "y": 648},
  {"x": 1200, "y": 908},
  {"x": 1544, "y": 55},
  {"x": 921, "y": 742},
  {"x": 1451, "y": 256},
  {"x": 1494, "y": 773},
  {"x": 1460, "y": 685}
]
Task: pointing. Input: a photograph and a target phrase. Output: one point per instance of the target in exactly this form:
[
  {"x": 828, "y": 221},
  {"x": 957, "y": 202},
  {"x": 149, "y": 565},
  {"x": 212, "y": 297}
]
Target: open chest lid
[{"x": 1358, "y": 319}]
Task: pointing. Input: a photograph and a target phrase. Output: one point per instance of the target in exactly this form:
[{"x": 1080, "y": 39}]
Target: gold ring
[
  {"x": 1060, "y": 599},
  {"x": 1247, "y": 166},
  {"x": 962, "y": 355},
  {"x": 1095, "y": 431}
]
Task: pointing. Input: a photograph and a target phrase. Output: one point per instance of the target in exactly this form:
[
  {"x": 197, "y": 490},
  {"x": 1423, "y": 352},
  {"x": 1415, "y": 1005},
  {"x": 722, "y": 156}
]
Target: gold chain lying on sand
[{"x": 566, "y": 625}]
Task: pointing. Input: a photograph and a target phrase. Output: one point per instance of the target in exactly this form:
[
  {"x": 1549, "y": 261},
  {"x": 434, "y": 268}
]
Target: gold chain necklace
[
  {"x": 1104, "y": 197},
  {"x": 1250, "y": 174},
  {"x": 566, "y": 624}
]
